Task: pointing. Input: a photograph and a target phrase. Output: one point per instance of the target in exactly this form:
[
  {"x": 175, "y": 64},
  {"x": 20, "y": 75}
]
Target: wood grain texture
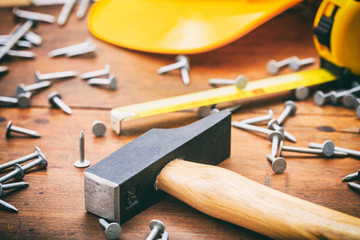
[
  {"x": 52, "y": 207},
  {"x": 225, "y": 195}
]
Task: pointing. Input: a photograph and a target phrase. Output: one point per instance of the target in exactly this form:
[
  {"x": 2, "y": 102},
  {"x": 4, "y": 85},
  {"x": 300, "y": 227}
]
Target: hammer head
[{"x": 122, "y": 184}]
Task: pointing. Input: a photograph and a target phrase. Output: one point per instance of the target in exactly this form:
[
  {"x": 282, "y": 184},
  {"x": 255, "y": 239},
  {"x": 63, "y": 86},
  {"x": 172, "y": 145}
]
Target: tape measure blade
[{"x": 218, "y": 95}]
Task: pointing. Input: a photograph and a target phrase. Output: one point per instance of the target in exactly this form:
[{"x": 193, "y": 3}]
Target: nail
[
  {"x": 327, "y": 149},
  {"x": 28, "y": 157},
  {"x": 33, "y": 15},
  {"x": 7, "y": 206},
  {"x": 82, "y": 8},
  {"x": 335, "y": 96},
  {"x": 296, "y": 63},
  {"x": 157, "y": 227},
  {"x": 301, "y": 93},
  {"x": 259, "y": 119},
  {"x": 10, "y": 128},
  {"x": 350, "y": 101},
  {"x": 273, "y": 66},
  {"x": 64, "y": 50},
  {"x": 278, "y": 164},
  {"x": 19, "y": 33},
  {"x": 19, "y": 171},
  {"x": 165, "y": 236},
  {"x": 273, "y": 125},
  {"x": 354, "y": 186},
  {"x": 8, "y": 101},
  {"x": 82, "y": 163},
  {"x": 80, "y": 51},
  {"x": 251, "y": 127},
  {"x": 21, "y": 54},
  {"x": 65, "y": 12},
  {"x": 56, "y": 75},
  {"x": 97, "y": 73},
  {"x": 24, "y": 44},
  {"x": 47, "y": 2},
  {"x": 290, "y": 109},
  {"x": 33, "y": 87},
  {"x": 14, "y": 185},
  {"x": 4, "y": 69},
  {"x": 240, "y": 81},
  {"x": 320, "y": 98},
  {"x": 110, "y": 82},
  {"x": 352, "y": 177},
  {"x": 33, "y": 38},
  {"x": 24, "y": 99},
  {"x": 112, "y": 230},
  {"x": 182, "y": 63},
  {"x": 55, "y": 101},
  {"x": 98, "y": 128},
  {"x": 275, "y": 137},
  {"x": 340, "y": 149}
]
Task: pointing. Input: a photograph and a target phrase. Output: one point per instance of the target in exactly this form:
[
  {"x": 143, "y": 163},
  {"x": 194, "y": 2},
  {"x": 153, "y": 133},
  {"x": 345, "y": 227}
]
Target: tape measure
[{"x": 219, "y": 95}]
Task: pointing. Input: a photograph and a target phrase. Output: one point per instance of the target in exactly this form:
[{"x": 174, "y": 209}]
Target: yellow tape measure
[{"x": 219, "y": 95}]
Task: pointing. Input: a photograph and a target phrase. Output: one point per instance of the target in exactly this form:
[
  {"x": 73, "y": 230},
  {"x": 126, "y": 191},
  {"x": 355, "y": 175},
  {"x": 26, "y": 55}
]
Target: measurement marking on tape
[{"x": 218, "y": 95}]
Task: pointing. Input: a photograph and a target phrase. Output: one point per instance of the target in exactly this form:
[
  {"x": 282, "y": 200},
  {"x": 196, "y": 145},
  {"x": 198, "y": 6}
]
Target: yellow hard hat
[{"x": 179, "y": 26}]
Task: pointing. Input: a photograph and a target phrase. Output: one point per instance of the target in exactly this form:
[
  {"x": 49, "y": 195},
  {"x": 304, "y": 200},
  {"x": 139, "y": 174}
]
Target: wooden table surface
[{"x": 52, "y": 207}]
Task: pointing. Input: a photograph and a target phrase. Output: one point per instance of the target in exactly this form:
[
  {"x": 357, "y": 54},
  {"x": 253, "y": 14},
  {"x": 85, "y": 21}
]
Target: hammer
[{"x": 127, "y": 182}]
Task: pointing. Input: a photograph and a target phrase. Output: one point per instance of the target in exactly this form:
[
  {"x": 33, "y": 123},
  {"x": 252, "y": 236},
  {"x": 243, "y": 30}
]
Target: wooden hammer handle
[{"x": 226, "y": 195}]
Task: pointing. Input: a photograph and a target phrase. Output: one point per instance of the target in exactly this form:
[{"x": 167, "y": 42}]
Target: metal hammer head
[{"x": 122, "y": 184}]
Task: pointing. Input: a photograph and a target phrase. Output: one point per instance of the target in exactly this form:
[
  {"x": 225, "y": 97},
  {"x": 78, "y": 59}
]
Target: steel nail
[
  {"x": 335, "y": 96},
  {"x": 327, "y": 149},
  {"x": 64, "y": 50},
  {"x": 28, "y": 157},
  {"x": 110, "y": 82},
  {"x": 14, "y": 185},
  {"x": 8, "y": 101},
  {"x": 157, "y": 227},
  {"x": 290, "y": 109},
  {"x": 19, "y": 171},
  {"x": 340, "y": 149},
  {"x": 301, "y": 93},
  {"x": 251, "y": 127},
  {"x": 350, "y": 101},
  {"x": 19, "y": 33},
  {"x": 7, "y": 206},
  {"x": 98, "y": 128},
  {"x": 240, "y": 81},
  {"x": 296, "y": 63},
  {"x": 112, "y": 230},
  {"x": 80, "y": 51},
  {"x": 4, "y": 69},
  {"x": 33, "y": 38},
  {"x": 55, "y": 75},
  {"x": 82, "y": 162},
  {"x": 352, "y": 177},
  {"x": 354, "y": 186},
  {"x": 33, "y": 15},
  {"x": 274, "y": 66},
  {"x": 275, "y": 137},
  {"x": 65, "y": 12},
  {"x": 55, "y": 101},
  {"x": 33, "y": 87},
  {"x": 278, "y": 164},
  {"x": 21, "y": 54},
  {"x": 24, "y": 99},
  {"x": 273, "y": 125},
  {"x": 82, "y": 8},
  {"x": 97, "y": 73},
  {"x": 259, "y": 119},
  {"x": 10, "y": 128}
]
